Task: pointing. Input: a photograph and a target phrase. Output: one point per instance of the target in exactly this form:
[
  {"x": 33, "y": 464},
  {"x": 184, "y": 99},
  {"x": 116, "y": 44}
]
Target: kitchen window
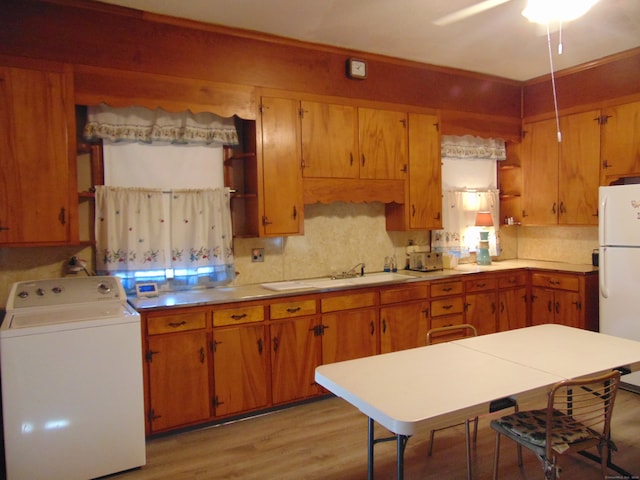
[
  {"x": 163, "y": 214},
  {"x": 469, "y": 185}
]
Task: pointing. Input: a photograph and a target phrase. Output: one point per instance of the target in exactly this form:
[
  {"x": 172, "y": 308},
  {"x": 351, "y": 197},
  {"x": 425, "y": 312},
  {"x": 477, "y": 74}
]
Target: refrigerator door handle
[
  {"x": 602, "y": 215},
  {"x": 602, "y": 272}
]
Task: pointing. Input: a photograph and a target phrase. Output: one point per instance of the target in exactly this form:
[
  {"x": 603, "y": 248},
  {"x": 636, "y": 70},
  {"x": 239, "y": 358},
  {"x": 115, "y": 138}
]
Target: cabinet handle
[
  {"x": 557, "y": 307},
  {"x": 524, "y": 214},
  {"x": 293, "y": 310},
  {"x": 501, "y": 307},
  {"x": 363, "y": 159},
  {"x": 404, "y": 168},
  {"x": 373, "y": 328},
  {"x": 578, "y": 305},
  {"x": 447, "y": 289},
  {"x": 203, "y": 355},
  {"x": 239, "y": 317},
  {"x": 606, "y": 164},
  {"x": 384, "y": 325},
  {"x": 413, "y": 210},
  {"x": 351, "y": 159},
  {"x": 177, "y": 324},
  {"x": 295, "y": 212},
  {"x": 276, "y": 343},
  {"x": 150, "y": 354},
  {"x": 260, "y": 346},
  {"x": 265, "y": 221},
  {"x": 63, "y": 216},
  {"x": 550, "y": 306},
  {"x": 448, "y": 307},
  {"x": 554, "y": 282},
  {"x": 493, "y": 307},
  {"x": 425, "y": 312},
  {"x": 3, "y": 228},
  {"x": 553, "y": 208},
  {"x": 481, "y": 285}
]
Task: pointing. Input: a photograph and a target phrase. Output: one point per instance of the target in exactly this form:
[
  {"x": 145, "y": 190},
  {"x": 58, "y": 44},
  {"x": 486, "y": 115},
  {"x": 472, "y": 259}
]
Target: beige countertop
[{"x": 228, "y": 294}]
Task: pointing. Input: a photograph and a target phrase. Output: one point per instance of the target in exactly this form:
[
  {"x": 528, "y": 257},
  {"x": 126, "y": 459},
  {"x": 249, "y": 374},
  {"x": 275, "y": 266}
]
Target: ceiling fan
[{"x": 537, "y": 11}]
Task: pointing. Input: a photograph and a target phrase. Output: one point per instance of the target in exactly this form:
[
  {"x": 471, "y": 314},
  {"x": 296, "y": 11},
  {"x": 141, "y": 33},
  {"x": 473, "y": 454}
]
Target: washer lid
[{"x": 51, "y": 319}]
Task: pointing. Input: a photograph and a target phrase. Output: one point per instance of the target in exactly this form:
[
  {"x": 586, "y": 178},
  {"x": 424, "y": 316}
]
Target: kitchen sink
[{"x": 321, "y": 283}]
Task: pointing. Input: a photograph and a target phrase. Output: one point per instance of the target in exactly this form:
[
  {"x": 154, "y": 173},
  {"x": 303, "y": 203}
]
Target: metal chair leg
[
  {"x": 433, "y": 434},
  {"x": 496, "y": 457}
]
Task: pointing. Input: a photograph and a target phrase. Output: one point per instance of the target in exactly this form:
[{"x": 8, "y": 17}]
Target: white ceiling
[{"x": 499, "y": 41}]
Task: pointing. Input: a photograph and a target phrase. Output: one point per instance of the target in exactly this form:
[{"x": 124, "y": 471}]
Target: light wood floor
[{"x": 327, "y": 440}]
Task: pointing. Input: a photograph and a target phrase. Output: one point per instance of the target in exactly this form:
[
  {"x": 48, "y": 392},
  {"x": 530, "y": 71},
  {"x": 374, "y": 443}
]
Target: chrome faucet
[{"x": 352, "y": 272}]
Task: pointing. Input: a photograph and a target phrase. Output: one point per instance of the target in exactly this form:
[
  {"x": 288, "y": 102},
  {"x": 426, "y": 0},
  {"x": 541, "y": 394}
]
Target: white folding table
[{"x": 401, "y": 390}]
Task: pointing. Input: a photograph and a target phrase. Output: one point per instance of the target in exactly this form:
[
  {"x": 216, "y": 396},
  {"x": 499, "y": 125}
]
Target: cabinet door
[
  {"x": 37, "y": 185},
  {"x": 240, "y": 369},
  {"x": 178, "y": 380},
  {"x": 579, "y": 171},
  {"x": 403, "y": 326},
  {"x": 542, "y": 306},
  {"x": 481, "y": 311},
  {"x": 383, "y": 144},
  {"x": 295, "y": 353},
  {"x": 620, "y": 142},
  {"x": 512, "y": 310},
  {"x": 425, "y": 173},
  {"x": 281, "y": 167},
  {"x": 329, "y": 140},
  {"x": 540, "y": 173},
  {"x": 568, "y": 309},
  {"x": 349, "y": 334}
]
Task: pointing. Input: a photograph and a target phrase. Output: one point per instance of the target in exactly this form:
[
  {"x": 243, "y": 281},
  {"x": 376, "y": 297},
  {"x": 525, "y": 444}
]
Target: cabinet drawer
[
  {"x": 346, "y": 302},
  {"x": 404, "y": 294},
  {"x": 176, "y": 323},
  {"x": 480, "y": 284},
  {"x": 447, "y": 322},
  {"x": 446, "y": 306},
  {"x": 556, "y": 280},
  {"x": 292, "y": 309},
  {"x": 234, "y": 316},
  {"x": 446, "y": 288},
  {"x": 516, "y": 279}
]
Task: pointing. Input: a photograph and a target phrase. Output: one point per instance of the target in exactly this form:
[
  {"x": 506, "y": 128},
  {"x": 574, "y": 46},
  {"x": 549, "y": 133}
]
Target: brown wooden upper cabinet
[
  {"x": 620, "y": 142},
  {"x": 383, "y": 144},
  {"x": 37, "y": 132},
  {"x": 344, "y": 141},
  {"x": 560, "y": 179},
  {"x": 282, "y": 206},
  {"x": 329, "y": 140}
]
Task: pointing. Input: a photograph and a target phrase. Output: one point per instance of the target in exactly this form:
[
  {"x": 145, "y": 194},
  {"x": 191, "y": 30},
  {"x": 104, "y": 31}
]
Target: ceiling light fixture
[{"x": 549, "y": 11}]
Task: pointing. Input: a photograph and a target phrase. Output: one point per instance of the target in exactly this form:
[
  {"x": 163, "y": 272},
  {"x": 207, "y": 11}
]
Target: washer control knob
[
  {"x": 40, "y": 292},
  {"x": 104, "y": 288},
  {"x": 23, "y": 294},
  {"x": 56, "y": 290}
]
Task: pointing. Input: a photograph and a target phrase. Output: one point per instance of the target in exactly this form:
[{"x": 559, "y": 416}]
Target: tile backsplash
[{"x": 336, "y": 237}]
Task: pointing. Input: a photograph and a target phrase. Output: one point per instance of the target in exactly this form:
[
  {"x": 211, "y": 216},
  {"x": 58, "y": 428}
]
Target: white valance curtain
[
  {"x": 473, "y": 148},
  {"x": 139, "y": 124},
  {"x": 135, "y": 234}
]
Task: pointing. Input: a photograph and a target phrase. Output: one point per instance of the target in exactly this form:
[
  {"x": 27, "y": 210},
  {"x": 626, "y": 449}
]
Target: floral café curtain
[
  {"x": 138, "y": 240},
  {"x": 460, "y": 236},
  {"x": 473, "y": 148},
  {"x": 139, "y": 124}
]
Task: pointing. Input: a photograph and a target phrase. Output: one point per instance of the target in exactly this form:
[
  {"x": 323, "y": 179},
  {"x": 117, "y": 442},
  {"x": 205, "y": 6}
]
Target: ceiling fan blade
[{"x": 468, "y": 12}]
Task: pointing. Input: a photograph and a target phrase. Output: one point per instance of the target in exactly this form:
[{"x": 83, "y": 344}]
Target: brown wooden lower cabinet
[
  {"x": 178, "y": 380},
  {"x": 296, "y": 351},
  {"x": 240, "y": 369},
  {"x": 205, "y": 363}
]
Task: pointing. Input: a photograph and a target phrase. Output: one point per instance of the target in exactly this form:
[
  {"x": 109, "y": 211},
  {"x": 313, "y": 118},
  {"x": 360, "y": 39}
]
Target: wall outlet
[{"x": 257, "y": 255}]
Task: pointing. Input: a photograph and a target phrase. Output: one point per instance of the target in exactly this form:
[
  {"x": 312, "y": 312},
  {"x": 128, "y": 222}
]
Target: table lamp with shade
[{"x": 484, "y": 219}]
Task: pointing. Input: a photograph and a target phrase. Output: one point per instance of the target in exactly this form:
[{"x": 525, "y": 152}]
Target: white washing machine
[{"x": 71, "y": 366}]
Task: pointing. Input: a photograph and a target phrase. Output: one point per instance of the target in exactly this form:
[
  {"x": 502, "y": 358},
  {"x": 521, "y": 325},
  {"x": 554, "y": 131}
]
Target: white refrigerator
[{"x": 619, "y": 265}]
